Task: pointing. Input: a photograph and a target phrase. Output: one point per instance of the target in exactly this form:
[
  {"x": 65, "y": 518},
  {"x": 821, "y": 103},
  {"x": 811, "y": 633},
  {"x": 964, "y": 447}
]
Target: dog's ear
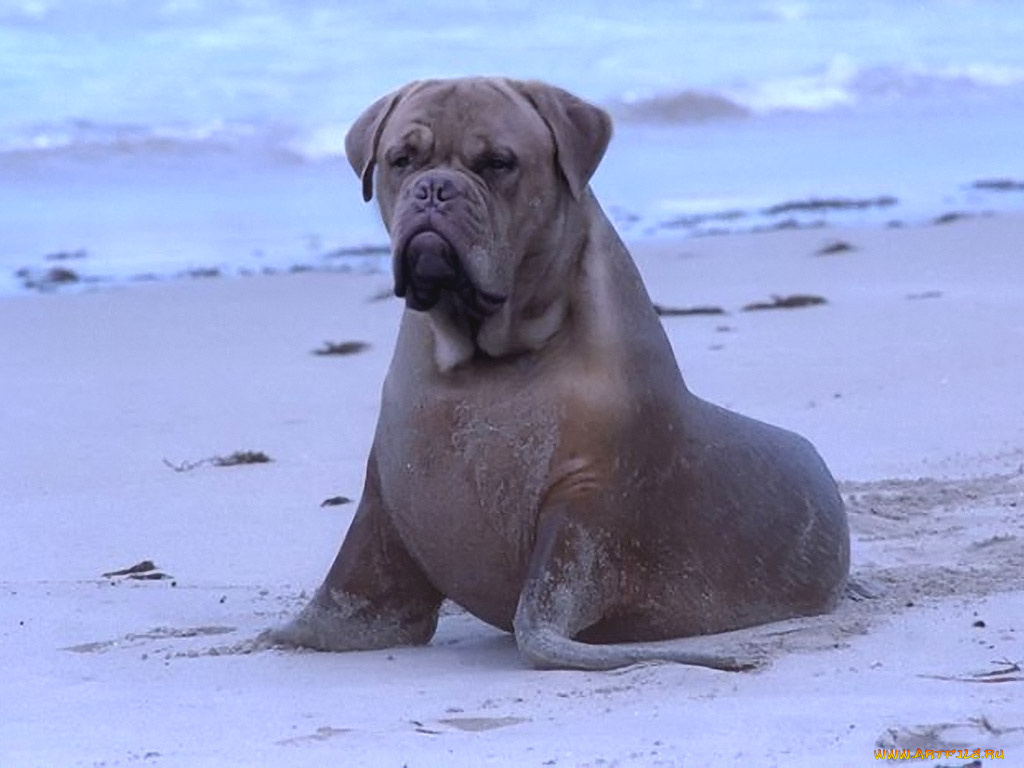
[
  {"x": 580, "y": 130},
  {"x": 363, "y": 137}
]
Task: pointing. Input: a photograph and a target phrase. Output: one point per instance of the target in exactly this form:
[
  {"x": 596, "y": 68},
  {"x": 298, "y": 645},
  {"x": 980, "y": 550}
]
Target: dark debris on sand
[
  {"x": 835, "y": 247},
  {"x": 66, "y": 255},
  {"x": 698, "y": 219},
  {"x": 924, "y": 295},
  {"x": 949, "y": 218},
  {"x": 999, "y": 185},
  {"x": 341, "y": 348},
  {"x": 47, "y": 279},
  {"x": 335, "y": 501},
  {"x": 793, "y": 301},
  {"x": 241, "y": 457},
  {"x": 830, "y": 204},
  {"x": 144, "y": 570},
  {"x": 358, "y": 250},
  {"x": 664, "y": 311},
  {"x": 235, "y": 459}
]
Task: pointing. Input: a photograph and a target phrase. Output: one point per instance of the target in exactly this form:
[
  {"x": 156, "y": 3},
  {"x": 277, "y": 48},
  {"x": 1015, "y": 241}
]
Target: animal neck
[{"x": 538, "y": 309}]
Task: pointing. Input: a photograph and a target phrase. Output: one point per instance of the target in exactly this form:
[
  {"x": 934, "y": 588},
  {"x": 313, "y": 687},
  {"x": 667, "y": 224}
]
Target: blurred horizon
[{"x": 188, "y": 133}]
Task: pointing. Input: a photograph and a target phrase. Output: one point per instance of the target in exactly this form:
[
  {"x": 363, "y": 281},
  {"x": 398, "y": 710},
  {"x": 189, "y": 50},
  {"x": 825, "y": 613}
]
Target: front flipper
[
  {"x": 568, "y": 588},
  {"x": 374, "y": 596}
]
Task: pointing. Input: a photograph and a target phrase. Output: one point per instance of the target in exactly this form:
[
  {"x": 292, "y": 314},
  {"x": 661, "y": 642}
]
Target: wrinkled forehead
[{"x": 467, "y": 118}]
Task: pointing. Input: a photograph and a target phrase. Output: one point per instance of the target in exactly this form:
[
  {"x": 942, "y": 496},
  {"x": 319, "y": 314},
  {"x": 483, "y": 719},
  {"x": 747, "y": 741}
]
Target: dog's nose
[{"x": 433, "y": 190}]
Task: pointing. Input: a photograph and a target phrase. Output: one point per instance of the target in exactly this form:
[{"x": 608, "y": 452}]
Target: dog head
[{"x": 480, "y": 184}]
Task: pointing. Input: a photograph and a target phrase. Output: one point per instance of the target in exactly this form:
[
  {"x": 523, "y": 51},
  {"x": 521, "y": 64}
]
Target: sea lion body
[{"x": 538, "y": 457}]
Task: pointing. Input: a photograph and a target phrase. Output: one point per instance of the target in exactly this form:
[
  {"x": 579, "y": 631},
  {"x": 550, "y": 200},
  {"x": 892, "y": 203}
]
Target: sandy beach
[{"x": 909, "y": 378}]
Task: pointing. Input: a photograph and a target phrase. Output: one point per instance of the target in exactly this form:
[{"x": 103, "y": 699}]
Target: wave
[
  {"x": 843, "y": 84},
  {"x": 686, "y": 106},
  {"x": 86, "y": 139}
]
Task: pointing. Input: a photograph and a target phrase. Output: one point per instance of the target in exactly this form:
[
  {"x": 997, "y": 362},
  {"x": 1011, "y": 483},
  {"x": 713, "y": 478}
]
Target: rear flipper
[
  {"x": 566, "y": 591},
  {"x": 544, "y": 648}
]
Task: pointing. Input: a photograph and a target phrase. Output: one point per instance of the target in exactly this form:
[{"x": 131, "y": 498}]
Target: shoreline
[
  {"x": 851, "y": 279},
  {"x": 76, "y": 269}
]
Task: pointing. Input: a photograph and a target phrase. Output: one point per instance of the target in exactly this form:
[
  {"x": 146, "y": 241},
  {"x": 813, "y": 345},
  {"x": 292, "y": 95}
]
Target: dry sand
[{"x": 910, "y": 379}]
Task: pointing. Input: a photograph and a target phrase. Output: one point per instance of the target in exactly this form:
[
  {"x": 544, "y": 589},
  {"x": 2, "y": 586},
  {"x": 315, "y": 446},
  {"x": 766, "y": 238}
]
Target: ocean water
[{"x": 205, "y": 136}]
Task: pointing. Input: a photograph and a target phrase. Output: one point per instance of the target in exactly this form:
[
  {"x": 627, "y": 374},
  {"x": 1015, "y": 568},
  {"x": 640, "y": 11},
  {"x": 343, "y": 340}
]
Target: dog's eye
[
  {"x": 401, "y": 161},
  {"x": 498, "y": 163}
]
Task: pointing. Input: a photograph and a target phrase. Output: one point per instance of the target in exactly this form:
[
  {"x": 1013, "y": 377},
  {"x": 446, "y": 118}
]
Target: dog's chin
[
  {"x": 455, "y": 333},
  {"x": 461, "y": 332}
]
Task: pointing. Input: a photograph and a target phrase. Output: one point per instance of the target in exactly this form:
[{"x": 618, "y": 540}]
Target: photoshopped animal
[{"x": 538, "y": 458}]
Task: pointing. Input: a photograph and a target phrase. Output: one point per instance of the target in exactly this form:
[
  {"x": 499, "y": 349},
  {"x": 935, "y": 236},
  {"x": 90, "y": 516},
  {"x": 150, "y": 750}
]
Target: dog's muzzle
[{"x": 428, "y": 266}]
